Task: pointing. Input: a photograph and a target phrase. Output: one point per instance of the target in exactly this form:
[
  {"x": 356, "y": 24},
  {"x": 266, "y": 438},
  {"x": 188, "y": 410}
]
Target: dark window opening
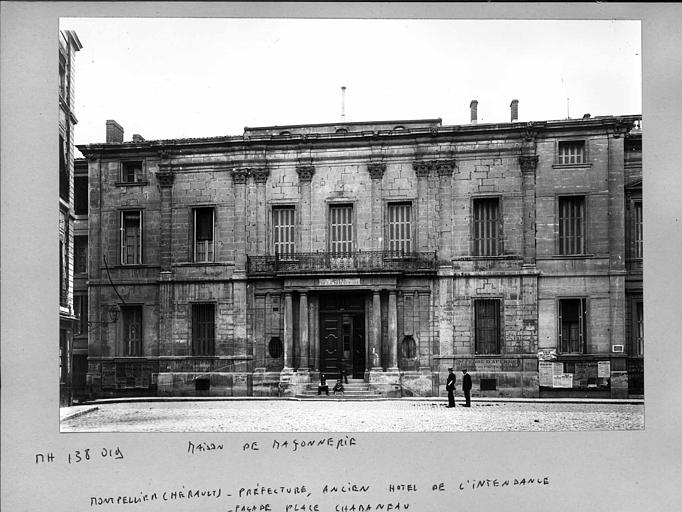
[
  {"x": 639, "y": 318},
  {"x": 487, "y": 326},
  {"x": 400, "y": 227},
  {"x": 132, "y": 330},
  {"x": 202, "y": 384},
  {"x": 80, "y": 254},
  {"x": 572, "y": 225},
  {"x": 63, "y": 275},
  {"x": 203, "y": 235},
  {"x": 488, "y": 384},
  {"x": 80, "y": 309},
  {"x": 203, "y": 329},
  {"x": 486, "y": 227},
  {"x": 131, "y": 238},
  {"x": 275, "y": 347},
  {"x": 341, "y": 229},
  {"x": 64, "y": 184},
  {"x": 283, "y": 227},
  {"x": 639, "y": 233},
  {"x": 80, "y": 195},
  {"x": 572, "y": 325}
]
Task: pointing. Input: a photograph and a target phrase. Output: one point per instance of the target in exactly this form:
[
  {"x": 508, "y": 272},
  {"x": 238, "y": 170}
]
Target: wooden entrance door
[{"x": 342, "y": 343}]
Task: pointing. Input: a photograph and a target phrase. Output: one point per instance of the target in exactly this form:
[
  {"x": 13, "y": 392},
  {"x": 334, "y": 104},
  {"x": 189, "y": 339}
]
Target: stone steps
[{"x": 356, "y": 389}]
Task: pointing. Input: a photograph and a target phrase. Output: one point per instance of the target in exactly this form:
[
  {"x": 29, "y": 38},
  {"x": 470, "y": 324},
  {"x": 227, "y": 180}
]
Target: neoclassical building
[{"x": 246, "y": 265}]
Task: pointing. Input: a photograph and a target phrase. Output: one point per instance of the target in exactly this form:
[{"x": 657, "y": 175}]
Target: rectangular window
[
  {"x": 80, "y": 309},
  {"x": 131, "y": 172},
  {"x": 487, "y": 326},
  {"x": 64, "y": 184},
  {"x": 132, "y": 330},
  {"x": 341, "y": 228},
  {"x": 486, "y": 227},
  {"x": 80, "y": 195},
  {"x": 639, "y": 319},
  {"x": 572, "y": 225},
  {"x": 639, "y": 234},
  {"x": 572, "y": 152},
  {"x": 131, "y": 237},
  {"x": 283, "y": 230},
  {"x": 400, "y": 227},
  {"x": 80, "y": 254},
  {"x": 203, "y": 329},
  {"x": 203, "y": 234},
  {"x": 572, "y": 326}
]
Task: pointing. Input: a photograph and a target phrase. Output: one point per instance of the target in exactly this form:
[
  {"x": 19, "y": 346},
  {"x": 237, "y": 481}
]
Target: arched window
[{"x": 408, "y": 347}]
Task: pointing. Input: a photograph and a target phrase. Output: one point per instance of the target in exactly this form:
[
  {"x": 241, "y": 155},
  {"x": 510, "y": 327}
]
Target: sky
[{"x": 202, "y": 77}]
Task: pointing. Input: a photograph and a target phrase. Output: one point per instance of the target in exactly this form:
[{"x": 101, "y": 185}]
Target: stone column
[
  {"x": 375, "y": 342},
  {"x": 261, "y": 177},
  {"x": 305, "y": 177},
  {"x": 421, "y": 169},
  {"x": 288, "y": 331},
  {"x": 445, "y": 169},
  {"x": 392, "y": 330},
  {"x": 304, "y": 331},
  {"x": 239, "y": 178},
  {"x": 528, "y": 164},
  {"x": 376, "y": 173},
  {"x": 164, "y": 347}
]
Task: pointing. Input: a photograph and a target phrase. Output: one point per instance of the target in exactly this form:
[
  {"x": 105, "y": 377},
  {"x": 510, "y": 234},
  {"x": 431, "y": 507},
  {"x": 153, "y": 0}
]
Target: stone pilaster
[
  {"x": 376, "y": 173},
  {"x": 288, "y": 331},
  {"x": 304, "y": 330},
  {"x": 375, "y": 341},
  {"x": 239, "y": 179},
  {"x": 305, "y": 177},
  {"x": 528, "y": 164},
  {"x": 260, "y": 176},
  {"x": 392, "y": 330},
  {"x": 165, "y": 177},
  {"x": 421, "y": 170},
  {"x": 445, "y": 168}
]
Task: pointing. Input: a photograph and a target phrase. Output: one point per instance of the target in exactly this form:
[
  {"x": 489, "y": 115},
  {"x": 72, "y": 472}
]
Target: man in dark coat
[
  {"x": 466, "y": 387},
  {"x": 450, "y": 387}
]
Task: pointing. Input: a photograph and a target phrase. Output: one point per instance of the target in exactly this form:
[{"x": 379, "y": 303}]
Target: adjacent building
[
  {"x": 246, "y": 265},
  {"x": 69, "y": 44}
]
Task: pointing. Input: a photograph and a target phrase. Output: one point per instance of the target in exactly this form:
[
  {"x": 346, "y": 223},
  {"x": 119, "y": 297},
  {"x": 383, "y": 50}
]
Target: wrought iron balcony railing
[{"x": 350, "y": 262}]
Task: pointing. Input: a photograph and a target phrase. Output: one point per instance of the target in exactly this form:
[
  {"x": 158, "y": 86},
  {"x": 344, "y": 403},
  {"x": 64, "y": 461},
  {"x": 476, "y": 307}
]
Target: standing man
[
  {"x": 450, "y": 387},
  {"x": 466, "y": 387}
]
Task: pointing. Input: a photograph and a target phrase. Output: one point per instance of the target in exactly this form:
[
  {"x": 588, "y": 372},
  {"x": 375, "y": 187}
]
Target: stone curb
[{"x": 76, "y": 414}]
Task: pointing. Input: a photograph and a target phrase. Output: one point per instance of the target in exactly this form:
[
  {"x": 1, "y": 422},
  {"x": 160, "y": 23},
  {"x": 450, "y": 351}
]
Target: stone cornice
[
  {"x": 305, "y": 172},
  {"x": 376, "y": 170}
]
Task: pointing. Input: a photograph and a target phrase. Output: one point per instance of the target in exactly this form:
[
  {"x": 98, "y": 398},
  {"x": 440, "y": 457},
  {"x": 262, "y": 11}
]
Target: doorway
[{"x": 342, "y": 335}]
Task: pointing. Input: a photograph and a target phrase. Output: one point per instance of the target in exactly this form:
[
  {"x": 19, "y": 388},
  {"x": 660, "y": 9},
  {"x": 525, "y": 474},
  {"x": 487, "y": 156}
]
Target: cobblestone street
[{"x": 353, "y": 416}]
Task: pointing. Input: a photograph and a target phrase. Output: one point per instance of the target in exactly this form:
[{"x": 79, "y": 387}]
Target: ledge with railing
[{"x": 347, "y": 262}]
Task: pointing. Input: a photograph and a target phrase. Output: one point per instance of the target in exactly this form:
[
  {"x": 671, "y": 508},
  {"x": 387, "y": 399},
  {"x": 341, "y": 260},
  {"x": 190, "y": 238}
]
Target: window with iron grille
[
  {"x": 132, "y": 330},
  {"x": 203, "y": 329},
  {"x": 487, "y": 326},
  {"x": 486, "y": 227},
  {"x": 131, "y": 172},
  {"x": 341, "y": 228},
  {"x": 400, "y": 227},
  {"x": 131, "y": 237},
  {"x": 572, "y": 225},
  {"x": 283, "y": 230},
  {"x": 639, "y": 234},
  {"x": 80, "y": 254},
  {"x": 80, "y": 310},
  {"x": 572, "y": 152},
  {"x": 572, "y": 326},
  {"x": 203, "y": 234}
]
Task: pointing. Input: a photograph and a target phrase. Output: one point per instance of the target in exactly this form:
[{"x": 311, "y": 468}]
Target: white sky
[{"x": 174, "y": 78}]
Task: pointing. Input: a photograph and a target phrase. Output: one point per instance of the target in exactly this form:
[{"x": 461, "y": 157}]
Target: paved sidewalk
[{"x": 68, "y": 413}]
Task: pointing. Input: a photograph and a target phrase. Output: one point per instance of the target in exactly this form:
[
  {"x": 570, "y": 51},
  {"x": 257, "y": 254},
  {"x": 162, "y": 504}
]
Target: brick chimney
[
  {"x": 474, "y": 111},
  {"x": 514, "y": 110},
  {"x": 114, "y": 131}
]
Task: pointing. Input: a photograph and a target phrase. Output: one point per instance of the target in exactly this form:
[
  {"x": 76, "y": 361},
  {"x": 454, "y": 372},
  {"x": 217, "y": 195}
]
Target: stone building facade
[
  {"x": 246, "y": 265},
  {"x": 69, "y": 44}
]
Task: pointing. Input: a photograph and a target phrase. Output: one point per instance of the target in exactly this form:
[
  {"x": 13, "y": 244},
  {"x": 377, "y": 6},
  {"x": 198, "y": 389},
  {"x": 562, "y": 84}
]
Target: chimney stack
[
  {"x": 474, "y": 111},
  {"x": 114, "y": 131},
  {"x": 514, "y": 110}
]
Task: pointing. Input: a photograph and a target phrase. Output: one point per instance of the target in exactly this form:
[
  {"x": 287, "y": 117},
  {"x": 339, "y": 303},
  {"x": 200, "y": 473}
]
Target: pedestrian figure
[
  {"x": 338, "y": 387},
  {"x": 344, "y": 373},
  {"x": 466, "y": 387},
  {"x": 450, "y": 387},
  {"x": 323, "y": 385}
]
